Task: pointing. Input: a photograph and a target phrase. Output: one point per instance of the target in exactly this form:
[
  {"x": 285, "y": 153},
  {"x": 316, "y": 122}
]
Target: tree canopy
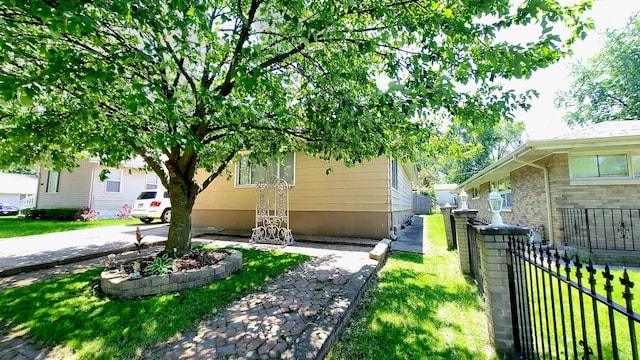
[
  {"x": 607, "y": 86},
  {"x": 476, "y": 150},
  {"x": 187, "y": 84}
]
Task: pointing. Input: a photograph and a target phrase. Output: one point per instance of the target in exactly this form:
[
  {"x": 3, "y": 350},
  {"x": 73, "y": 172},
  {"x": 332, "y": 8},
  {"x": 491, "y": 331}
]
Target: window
[
  {"x": 599, "y": 166},
  {"x": 114, "y": 178},
  {"x": 151, "y": 181},
  {"x": 394, "y": 173},
  {"x": 53, "y": 182},
  {"x": 503, "y": 187},
  {"x": 248, "y": 174}
]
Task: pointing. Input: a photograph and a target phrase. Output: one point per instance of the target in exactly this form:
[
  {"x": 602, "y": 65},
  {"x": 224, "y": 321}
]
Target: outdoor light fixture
[
  {"x": 495, "y": 204},
  {"x": 463, "y": 199}
]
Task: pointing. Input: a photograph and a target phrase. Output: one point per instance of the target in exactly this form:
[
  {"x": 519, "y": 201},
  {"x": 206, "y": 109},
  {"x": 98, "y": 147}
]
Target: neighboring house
[
  {"x": 583, "y": 187},
  {"x": 445, "y": 194},
  {"x": 16, "y": 188},
  {"x": 82, "y": 187},
  {"x": 366, "y": 201}
]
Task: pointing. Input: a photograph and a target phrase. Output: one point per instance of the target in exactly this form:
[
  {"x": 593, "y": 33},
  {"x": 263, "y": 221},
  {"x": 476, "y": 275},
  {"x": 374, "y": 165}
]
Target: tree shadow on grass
[
  {"x": 71, "y": 312},
  {"x": 409, "y": 315}
]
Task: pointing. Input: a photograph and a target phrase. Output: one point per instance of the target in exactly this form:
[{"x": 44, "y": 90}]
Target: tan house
[
  {"x": 364, "y": 201},
  {"x": 82, "y": 187},
  {"x": 582, "y": 187}
]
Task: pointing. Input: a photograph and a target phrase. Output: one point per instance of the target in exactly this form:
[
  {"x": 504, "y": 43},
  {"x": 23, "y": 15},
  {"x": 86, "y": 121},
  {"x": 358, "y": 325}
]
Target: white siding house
[
  {"x": 15, "y": 188},
  {"x": 82, "y": 187}
]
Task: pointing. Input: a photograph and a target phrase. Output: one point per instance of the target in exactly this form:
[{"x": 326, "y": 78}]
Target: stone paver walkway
[
  {"x": 296, "y": 316},
  {"x": 291, "y": 318}
]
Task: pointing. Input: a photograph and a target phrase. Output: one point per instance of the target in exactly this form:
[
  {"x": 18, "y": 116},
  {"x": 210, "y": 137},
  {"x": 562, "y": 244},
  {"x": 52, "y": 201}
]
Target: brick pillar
[
  {"x": 462, "y": 238},
  {"x": 494, "y": 260},
  {"x": 446, "y": 216}
]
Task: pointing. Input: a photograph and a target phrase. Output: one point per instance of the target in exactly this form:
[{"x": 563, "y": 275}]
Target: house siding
[
  {"x": 73, "y": 191},
  {"x": 348, "y": 201},
  {"x": 529, "y": 198},
  {"x": 401, "y": 198},
  {"x": 82, "y": 188},
  {"x": 108, "y": 204}
]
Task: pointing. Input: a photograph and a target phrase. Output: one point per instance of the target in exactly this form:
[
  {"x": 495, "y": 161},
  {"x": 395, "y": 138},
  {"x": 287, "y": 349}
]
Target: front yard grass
[
  {"x": 421, "y": 307},
  {"x": 12, "y": 226},
  {"x": 71, "y": 313}
]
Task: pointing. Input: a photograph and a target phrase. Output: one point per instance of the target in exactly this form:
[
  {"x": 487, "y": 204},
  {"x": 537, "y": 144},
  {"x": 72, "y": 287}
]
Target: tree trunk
[{"x": 183, "y": 193}]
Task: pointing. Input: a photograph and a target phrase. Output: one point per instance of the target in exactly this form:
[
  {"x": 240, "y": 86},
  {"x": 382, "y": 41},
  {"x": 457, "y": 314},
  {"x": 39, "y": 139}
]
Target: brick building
[{"x": 593, "y": 172}]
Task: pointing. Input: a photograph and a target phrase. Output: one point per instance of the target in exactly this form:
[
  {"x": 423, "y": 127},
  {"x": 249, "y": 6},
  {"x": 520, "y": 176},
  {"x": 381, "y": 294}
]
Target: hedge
[{"x": 63, "y": 214}]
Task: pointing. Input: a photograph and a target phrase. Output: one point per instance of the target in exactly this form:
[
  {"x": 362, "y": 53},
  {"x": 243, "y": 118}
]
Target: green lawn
[
  {"x": 545, "y": 302},
  {"x": 422, "y": 307},
  {"x": 11, "y": 226},
  {"x": 71, "y": 313}
]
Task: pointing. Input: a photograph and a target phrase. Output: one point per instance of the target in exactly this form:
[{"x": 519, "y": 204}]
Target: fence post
[
  {"x": 446, "y": 216},
  {"x": 494, "y": 259},
  {"x": 462, "y": 237}
]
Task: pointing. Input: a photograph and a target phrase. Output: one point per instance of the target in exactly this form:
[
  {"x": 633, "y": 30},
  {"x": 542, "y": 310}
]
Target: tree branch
[{"x": 219, "y": 170}]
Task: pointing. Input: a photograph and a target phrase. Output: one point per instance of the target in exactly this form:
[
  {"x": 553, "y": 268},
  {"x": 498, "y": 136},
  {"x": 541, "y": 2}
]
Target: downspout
[
  {"x": 93, "y": 174},
  {"x": 547, "y": 193}
]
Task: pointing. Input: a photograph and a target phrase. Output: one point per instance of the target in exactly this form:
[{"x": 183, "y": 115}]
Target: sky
[{"x": 544, "y": 120}]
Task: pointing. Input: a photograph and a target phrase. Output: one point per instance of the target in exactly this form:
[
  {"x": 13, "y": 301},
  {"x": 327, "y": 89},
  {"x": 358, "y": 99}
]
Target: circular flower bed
[{"x": 160, "y": 275}]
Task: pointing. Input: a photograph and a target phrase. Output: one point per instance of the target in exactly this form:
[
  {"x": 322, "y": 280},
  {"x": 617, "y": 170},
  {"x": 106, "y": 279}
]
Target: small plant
[
  {"x": 124, "y": 213},
  {"x": 160, "y": 265},
  {"x": 139, "y": 238}
]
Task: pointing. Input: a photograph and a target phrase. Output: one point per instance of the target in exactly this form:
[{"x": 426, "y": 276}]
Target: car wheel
[
  {"x": 146, "y": 220},
  {"x": 166, "y": 216}
]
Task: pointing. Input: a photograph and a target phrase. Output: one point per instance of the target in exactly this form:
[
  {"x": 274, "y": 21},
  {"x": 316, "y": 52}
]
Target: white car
[{"x": 152, "y": 204}]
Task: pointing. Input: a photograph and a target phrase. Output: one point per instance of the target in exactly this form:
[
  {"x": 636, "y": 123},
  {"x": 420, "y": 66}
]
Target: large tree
[
  {"x": 606, "y": 87},
  {"x": 480, "y": 149},
  {"x": 187, "y": 84}
]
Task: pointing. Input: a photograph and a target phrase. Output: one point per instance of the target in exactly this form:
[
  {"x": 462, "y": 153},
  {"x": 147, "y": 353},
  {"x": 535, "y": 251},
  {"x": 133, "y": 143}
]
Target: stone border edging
[
  {"x": 78, "y": 258},
  {"x": 113, "y": 283},
  {"x": 300, "y": 349}
]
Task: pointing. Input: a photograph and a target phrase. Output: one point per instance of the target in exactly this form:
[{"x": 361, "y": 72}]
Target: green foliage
[
  {"x": 485, "y": 147},
  {"x": 187, "y": 85},
  {"x": 60, "y": 214},
  {"x": 160, "y": 265},
  {"x": 607, "y": 86},
  {"x": 69, "y": 312},
  {"x": 422, "y": 307}
]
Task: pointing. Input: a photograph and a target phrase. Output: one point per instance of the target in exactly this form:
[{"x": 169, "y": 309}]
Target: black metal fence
[
  {"x": 475, "y": 263},
  {"x": 452, "y": 219},
  {"x": 602, "y": 229},
  {"x": 562, "y": 309}
]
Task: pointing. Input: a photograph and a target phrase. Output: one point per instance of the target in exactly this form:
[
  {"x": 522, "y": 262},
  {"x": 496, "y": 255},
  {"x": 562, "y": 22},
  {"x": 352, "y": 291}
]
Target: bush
[
  {"x": 88, "y": 214},
  {"x": 125, "y": 212},
  {"x": 61, "y": 214}
]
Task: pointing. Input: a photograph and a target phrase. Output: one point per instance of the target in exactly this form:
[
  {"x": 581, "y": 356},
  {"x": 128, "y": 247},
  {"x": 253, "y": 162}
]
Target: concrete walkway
[
  {"x": 296, "y": 316},
  {"x": 412, "y": 238}
]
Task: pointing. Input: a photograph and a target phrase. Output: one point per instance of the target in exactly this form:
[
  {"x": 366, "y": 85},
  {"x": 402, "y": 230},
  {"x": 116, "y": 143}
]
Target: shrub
[
  {"x": 62, "y": 214},
  {"x": 88, "y": 214},
  {"x": 125, "y": 212}
]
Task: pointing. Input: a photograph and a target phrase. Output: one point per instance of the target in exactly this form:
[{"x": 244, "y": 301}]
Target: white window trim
[
  {"x": 147, "y": 183},
  {"x": 107, "y": 180},
  {"x": 617, "y": 180},
  {"x": 236, "y": 181},
  {"x": 494, "y": 185},
  {"x": 48, "y": 183}
]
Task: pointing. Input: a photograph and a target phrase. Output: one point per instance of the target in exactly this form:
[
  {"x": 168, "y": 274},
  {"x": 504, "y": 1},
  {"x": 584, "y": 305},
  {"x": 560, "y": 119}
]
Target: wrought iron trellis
[{"x": 272, "y": 213}]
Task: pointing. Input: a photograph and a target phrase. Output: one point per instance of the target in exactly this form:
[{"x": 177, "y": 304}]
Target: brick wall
[{"x": 529, "y": 199}]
